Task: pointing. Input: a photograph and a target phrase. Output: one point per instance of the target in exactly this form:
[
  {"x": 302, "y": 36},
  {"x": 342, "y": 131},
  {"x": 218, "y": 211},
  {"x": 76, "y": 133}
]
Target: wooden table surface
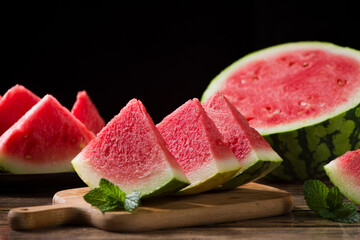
[{"x": 301, "y": 223}]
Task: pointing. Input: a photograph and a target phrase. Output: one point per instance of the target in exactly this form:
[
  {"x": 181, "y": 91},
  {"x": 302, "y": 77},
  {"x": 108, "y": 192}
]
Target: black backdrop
[{"x": 162, "y": 54}]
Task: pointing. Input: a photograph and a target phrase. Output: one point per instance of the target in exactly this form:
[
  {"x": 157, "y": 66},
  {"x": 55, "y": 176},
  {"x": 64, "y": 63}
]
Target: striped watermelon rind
[
  {"x": 308, "y": 149},
  {"x": 307, "y": 145}
]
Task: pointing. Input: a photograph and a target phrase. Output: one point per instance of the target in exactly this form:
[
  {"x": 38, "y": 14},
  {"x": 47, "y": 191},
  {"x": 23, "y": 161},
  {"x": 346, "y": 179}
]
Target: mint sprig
[
  {"x": 110, "y": 197},
  {"x": 328, "y": 203}
]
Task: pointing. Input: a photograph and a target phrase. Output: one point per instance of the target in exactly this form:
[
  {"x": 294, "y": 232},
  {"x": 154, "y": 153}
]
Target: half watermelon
[
  {"x": 85, "y": 110},
  {"x": 15, "y": 103},
  {"x": 303, "y": 97},
  {"x": 130, "y": 152},
  {"x": 192, "y": 137},
  {"x": 344, "y": 172},
  {"x": 44, "y": 140},
  {"x": 254, "y": 153}
]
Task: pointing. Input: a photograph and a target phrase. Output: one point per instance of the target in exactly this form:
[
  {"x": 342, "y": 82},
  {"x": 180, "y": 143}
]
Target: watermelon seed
[
  {"x": 305, "y": 64},
  {"x": 243, "y": 81},
  {"x": 255, "y": 79},
  {"x": 341, "y": 82},
  {"x": 301, "y": 103},
  {"x": 28, "y": 156},
  {"x": 277, "y": 111}
]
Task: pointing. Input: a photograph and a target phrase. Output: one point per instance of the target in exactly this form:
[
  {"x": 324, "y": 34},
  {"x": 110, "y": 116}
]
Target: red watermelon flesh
[
  {"x": 44, "y": 140},
  {"x": 15, "y": 103},
  {"x": 246, "y": 143},
  {"x": 196, "y": 143},
  {"x": 344, "y": 172},
  {"x": 130, "y": 152},
  {"x": 297, "y": 85},
  {"x": 85, "y": 110}
]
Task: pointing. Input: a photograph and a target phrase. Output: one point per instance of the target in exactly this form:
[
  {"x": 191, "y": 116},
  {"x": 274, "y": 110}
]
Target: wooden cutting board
[{"x": 246, "y": 202}]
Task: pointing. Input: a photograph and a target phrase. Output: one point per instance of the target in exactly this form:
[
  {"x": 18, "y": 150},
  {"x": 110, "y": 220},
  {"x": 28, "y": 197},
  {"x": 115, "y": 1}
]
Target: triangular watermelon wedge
[
  {"x": 192, "y": 137},
  {"x": 85, "y": 110},
  {"x": 254, "y": 153},
  {"x": 14, "y": 104},
  {"x": 130, "y": 152},
  {"x": 344, "y": 172},
  {"x": 44, "y": 140}
]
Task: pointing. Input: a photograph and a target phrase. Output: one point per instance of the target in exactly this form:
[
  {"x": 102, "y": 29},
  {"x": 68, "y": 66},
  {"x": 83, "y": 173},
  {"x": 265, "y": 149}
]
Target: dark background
[{"x": 162, "y": 54}]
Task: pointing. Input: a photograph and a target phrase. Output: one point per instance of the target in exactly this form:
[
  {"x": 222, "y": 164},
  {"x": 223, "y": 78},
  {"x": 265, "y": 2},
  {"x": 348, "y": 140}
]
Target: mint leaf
[
  {"x": 315, "y": 193},
  {"x": 132, "y": 201},
  {"x": 329, "y": 203},
  {"x": 111, "y": 190},
  {"x": 334, "y": 198},
  {"x": 110, "y": 197},
  {"x": 347, "y": 213}
]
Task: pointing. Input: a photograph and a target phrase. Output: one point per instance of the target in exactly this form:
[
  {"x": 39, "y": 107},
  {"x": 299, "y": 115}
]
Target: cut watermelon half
[
  {"x": 303, "y": 97},
  {"x": 44, "y": 140},
  {"x": 254, "y": 153},
  {"x": 344, "y": 172},
  {"x": 15, "y": 103},
  {"x": 192, "y": 137},
  {"x": 85, "y": 110},
  {"x": 130, "y": 152}
]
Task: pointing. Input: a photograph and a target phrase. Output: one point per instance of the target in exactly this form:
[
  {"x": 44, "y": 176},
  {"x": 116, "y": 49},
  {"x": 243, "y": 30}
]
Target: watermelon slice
[
  {"x": 303, "y": 97},
  {"x": 85, "y": 110},
  {"x": 44, "y": 140},
  {"x": 254, "y": 153},
  {"x": 15, "y": 103},
  {"x": 344, "y": 172},
  {"x": 192, "y": 137},
  {"x": 130, "y": 152}
]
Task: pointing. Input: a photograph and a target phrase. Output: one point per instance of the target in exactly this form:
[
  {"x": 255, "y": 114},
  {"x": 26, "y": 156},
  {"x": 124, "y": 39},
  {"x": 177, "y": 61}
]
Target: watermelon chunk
[
  {"x": 303, "y": 97},
  {"x": 15, "y": 103},
  {"x": 254, "y": 153},
  {"x": 192, "y": 137},
  {"x": 344, "y": 172},
  {"x": 44, "y": 140},
  {"x": 85, "y": 110},
  {"x": 130, "y": 152}
]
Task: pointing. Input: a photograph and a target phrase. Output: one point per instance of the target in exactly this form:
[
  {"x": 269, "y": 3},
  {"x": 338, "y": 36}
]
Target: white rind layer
[
  {"x": 92, "y": 178},
  {"x": 346, "y": 183},
  {"x": 216, "y": 166},
  {"x": 219, "y": 81},
  {"x": 17, "y": 166},
  {"x": 255, "y": 155}
]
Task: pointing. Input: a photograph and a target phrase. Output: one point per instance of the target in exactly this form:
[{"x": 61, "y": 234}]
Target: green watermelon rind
[
  {"x": 306, "y": 146},
  {"x": 309, "y": 149},
  {"x": 209, "y": 184},
  {"x": 262, "y": 162},
  {"x": 344, "y": 182},
  {"x": 172, "y": 183}
]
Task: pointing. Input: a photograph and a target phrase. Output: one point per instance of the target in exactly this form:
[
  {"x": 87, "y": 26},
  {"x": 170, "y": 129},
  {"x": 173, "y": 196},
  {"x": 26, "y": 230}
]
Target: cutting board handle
[{"x": 25, "y": 218}]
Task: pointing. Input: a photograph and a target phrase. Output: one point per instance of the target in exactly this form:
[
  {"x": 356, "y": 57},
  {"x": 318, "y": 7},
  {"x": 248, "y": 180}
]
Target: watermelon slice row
[
  {"x": 185, "y": 153},
  {"x": 40, "y": 135}
]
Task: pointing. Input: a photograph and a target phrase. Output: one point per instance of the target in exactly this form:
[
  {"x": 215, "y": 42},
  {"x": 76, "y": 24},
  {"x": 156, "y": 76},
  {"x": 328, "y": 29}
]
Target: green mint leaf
[
  {"x": 96, "y": 197},
  {"x": 329, "y": 203},
  {"x": 315, "y": 194},
  {"x": 327, "y": 213},
  {"x": 132, "y": 201},
  {"x": 110, "y": 197},
  {"x": 334, "y": 198},
  {"x": 347, "y": 213},
  {"x": 111, "y": 190}
]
